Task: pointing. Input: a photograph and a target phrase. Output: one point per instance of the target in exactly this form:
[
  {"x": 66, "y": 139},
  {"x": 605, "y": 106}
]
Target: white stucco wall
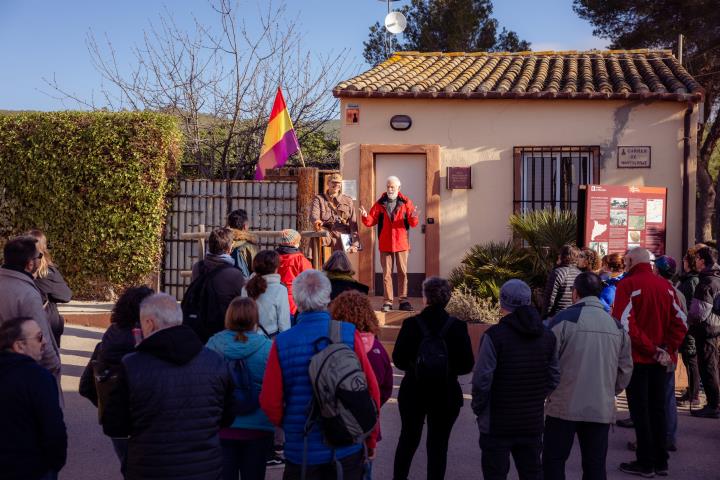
[{"x": 482, "y": 134}]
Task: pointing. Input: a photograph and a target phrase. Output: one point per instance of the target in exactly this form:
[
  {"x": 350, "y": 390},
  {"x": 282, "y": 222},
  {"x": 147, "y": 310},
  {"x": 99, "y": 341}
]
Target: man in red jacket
[
  {"x": 394, "y": 214},
  {"x": 649, "y": 310}
]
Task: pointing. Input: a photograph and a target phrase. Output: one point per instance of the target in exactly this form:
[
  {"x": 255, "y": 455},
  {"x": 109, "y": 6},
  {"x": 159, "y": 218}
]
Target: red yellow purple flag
[{"x": 280, "y": 140}]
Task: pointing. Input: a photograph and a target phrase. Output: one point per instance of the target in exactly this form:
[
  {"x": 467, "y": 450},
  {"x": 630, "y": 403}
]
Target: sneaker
[
  {"x": 386, "y": 307},
  {"x": 405, "y": 306},
  {"x": 625, "y": 423},
  {"x": 684, "y": 397},
  {"x": 706, "y": 412},
  {"x": 661, "y": 471},
  {"x": 275, "y": 462},
  {"x": 695, "y": 403},
  {"x": 634, "y": 468}
]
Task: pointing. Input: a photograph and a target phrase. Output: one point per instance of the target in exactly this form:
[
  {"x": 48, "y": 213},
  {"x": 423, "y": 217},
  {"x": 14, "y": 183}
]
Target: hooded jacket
[
  {"x": 292, "y": 264},
  {"x": 392, "y": 228},
  {"x": 172, "y": 400},
  {"x": 273, "y": 305},
  {"x": 254, "y": 351},
  {"x": 595, "y": 363},
  {"x": 20, "y": 297},
  {"x": 244, "y": 249},
  {"x": 701, "y": 316},
  {"x": 516, "y": 369},
  {"x": 649, "y": 310},
  {"x": 31, "y": 421}
]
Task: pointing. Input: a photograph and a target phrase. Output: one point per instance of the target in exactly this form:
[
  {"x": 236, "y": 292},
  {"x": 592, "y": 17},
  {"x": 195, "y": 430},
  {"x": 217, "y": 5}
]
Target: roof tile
[{"x": 615, "y": 74}]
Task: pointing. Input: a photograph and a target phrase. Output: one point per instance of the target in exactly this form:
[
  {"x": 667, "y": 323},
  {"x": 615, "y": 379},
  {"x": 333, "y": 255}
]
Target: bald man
[{"x": 649, "y": 310}]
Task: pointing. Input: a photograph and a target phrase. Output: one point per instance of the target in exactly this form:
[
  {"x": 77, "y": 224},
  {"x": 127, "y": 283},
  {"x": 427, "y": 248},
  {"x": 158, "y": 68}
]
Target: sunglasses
[{"x": 38, "y": 337}]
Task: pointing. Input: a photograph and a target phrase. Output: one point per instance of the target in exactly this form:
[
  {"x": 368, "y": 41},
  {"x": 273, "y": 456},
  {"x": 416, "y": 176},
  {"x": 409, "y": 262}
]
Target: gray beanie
[{"x": 513, "y": 294}]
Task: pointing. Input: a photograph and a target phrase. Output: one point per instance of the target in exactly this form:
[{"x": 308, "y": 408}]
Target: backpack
[
  {"x": 240, "y": 262},
  {"x": 432, "y": 365},
  {"x": 200, "y": 311},
  {"x": 341, "y": 404},
  {"x": 246, "y": 398}
]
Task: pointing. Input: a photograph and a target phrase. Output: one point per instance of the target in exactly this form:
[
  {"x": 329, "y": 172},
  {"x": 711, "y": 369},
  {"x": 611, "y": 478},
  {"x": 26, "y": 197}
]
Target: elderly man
[
  {"x": 334, "y": 211},
  {"x": 649, "y": 310},
  {"x": 395, "y": 215},
  {"x": 287, "y": 390},
  {"x": 595, "y": 365},
  {"x": 19, "y": 297},
  {"x": 34, "y": 442},
  {"x": 171, "y": 399}
]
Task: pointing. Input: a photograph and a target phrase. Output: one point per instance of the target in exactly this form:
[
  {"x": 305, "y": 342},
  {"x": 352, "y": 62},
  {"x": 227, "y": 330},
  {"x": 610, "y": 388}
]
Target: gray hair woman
[
  {"x": 442, "y": 397},
  {"x": 311, "y": 290},
  {"x": 339, "y": 270}
]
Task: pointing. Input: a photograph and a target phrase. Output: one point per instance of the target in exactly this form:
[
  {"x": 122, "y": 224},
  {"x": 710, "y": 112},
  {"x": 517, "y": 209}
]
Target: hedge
[{"x": 96, "y": 184}]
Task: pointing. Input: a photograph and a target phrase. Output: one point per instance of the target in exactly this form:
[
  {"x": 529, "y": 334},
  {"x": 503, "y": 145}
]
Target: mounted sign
[
  {"x": 458, "y": 178},
  {"x": 614, "y": 218},
  {"x": 633, "y": 157},
  {"x": 352, "y": 114}
]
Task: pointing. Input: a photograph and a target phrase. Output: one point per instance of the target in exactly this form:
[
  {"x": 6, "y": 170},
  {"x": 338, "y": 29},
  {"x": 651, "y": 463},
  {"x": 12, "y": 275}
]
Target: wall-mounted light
[{"x": 400, "y": 122}]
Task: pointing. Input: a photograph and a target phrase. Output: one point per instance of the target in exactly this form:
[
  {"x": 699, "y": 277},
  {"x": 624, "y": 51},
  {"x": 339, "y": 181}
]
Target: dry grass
[{"x": 471, "y": 308}]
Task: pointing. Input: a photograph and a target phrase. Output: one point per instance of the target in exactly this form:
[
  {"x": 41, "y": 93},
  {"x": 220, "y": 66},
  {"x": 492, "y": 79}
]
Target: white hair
[
  {"x": 394, "y": 179},
  {"x": 311, "y": 291},
  {"x": 162, "y": 308}
]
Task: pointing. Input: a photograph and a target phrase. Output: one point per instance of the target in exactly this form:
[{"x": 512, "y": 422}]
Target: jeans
[
  {"x": 368, "y": 470},
  {"x": 671, "y": 408},
  {"x": 246, "y": 457},
  {"x": 646, "y": 401},
  {"x": 708, "y": 362},
  {"x": 353, "y": 468},
  {"x": 496, "y": 456},
  {"x": 120, "y": 445},
  {"x": 558, "y": 441},
  {"x": 440, "y": 420}
]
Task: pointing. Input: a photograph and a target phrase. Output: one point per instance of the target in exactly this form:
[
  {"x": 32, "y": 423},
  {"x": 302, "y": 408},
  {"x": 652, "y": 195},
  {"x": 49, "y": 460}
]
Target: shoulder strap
[{"x": 335, "y": 330}]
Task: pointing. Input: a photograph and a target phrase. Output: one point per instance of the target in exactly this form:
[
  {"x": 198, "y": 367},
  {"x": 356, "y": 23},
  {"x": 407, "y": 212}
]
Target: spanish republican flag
[{"x": 280, "y": 141}]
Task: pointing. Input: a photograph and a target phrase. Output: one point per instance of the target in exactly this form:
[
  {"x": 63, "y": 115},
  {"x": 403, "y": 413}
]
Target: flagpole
[{"x": 302, "y": 159}]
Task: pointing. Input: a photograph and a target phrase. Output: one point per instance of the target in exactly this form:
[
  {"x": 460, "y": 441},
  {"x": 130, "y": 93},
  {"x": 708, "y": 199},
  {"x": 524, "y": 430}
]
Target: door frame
[{"x": 368, "y": 153}]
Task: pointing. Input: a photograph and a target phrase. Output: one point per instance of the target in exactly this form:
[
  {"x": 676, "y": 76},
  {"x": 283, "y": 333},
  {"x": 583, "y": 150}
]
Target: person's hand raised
[
  {"x": 363, "y": 212},
  {"x": 415, "y": 212}
]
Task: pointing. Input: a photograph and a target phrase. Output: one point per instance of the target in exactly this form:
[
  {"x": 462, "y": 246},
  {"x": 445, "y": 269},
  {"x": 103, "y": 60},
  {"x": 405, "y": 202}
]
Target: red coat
[
  {"x": 649, "y": 310},
  {"x": 292, "y": 265},
  {"x": 392, "y": 232}
]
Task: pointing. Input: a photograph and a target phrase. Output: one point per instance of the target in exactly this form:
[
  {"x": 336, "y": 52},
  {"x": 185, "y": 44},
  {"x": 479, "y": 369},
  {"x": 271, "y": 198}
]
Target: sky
[{"x": 46, "y": 39}]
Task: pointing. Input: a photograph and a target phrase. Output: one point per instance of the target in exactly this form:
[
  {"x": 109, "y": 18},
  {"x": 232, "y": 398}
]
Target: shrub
[
  {"x": 95, "y": 183},
  {"x": 471, "y": 308},
  {"x": 487, "y": 266}
]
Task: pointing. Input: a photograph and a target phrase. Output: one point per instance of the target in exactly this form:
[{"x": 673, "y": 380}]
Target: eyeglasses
[{"x": 38, "y": 337}]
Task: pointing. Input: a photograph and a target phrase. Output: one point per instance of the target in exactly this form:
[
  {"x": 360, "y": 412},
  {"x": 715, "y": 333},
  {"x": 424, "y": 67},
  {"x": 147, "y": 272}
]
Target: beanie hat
[
  {"x": 513, "y": 294},
  {"x": 289, "y": 237},
  {"x": 666, "y": 266}
]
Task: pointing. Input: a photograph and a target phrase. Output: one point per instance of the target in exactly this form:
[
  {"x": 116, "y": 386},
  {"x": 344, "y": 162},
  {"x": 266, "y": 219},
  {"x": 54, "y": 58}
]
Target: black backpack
[
  {"x": 432, "y": 365},
  {"x": 200, "y": 311}
]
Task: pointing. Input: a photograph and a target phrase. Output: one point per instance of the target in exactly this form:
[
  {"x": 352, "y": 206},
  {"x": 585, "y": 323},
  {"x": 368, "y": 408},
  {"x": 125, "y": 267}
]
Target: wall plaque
[
  {"x": 633, "y": 157},
  {"x": 459, "y": 178}
]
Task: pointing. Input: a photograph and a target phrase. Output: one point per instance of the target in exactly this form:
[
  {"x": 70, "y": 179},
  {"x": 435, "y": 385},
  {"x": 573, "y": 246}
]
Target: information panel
[{"x": 614, "y": 218}]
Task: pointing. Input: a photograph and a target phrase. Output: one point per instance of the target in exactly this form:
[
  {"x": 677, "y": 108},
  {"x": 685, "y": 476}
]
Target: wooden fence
[{"x": 271, "y": 205}]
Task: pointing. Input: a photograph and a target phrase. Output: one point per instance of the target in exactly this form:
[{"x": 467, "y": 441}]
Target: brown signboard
[
  {"x": 633, "y": 157},
  {"x": 613, "y": 218},
  {"x": 459, "y": 178}
]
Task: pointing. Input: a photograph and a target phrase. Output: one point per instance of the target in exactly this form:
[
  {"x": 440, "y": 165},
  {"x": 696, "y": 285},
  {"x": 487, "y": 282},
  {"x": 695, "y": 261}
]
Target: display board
[{"x": 614, "y": 218}]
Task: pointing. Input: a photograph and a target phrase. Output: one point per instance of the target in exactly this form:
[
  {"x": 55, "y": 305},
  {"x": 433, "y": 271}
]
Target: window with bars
[{"x": 548, "y": 177}]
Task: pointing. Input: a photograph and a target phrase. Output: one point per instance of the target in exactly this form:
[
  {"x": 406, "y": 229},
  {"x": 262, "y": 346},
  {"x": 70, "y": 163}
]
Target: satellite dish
[{"x": 395, "y": 22}]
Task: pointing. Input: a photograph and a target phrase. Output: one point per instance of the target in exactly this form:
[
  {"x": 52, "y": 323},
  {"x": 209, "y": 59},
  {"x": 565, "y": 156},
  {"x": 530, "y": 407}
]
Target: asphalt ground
[{"x": 90, "y": 453}]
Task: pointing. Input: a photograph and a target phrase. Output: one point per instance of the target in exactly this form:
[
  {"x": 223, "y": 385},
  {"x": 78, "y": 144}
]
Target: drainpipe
[{"x": 686, "y": 177}]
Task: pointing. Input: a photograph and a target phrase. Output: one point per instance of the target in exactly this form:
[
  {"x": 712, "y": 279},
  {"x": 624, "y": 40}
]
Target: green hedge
[{"x": 96, "y": 184}]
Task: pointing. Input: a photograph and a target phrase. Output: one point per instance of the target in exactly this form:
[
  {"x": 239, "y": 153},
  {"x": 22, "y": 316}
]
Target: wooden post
[{"x": 307, "y": 181}]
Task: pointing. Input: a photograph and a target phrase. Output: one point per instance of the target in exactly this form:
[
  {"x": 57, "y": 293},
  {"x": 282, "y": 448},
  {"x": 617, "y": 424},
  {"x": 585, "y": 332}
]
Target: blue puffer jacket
[
  {"x": 607, "y": 296},
  {"x": 255, "y": 352},
  {"x": 295, "y": 347}
]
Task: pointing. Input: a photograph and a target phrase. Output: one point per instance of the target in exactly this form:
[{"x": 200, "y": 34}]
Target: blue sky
[{"x": 46, "y": 38}]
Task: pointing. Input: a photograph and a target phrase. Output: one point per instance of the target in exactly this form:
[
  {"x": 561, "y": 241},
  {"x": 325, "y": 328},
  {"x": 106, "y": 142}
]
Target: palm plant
[
  {"x": 545, "y": 232},
  {"x": 487, "y": 266}
]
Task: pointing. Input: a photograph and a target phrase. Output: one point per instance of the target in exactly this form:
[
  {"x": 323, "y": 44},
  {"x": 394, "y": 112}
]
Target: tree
[
  {"x": 446, "y": 26},
  {"x": 220, "y": 79},
  {"x": 644, "y": 24}
]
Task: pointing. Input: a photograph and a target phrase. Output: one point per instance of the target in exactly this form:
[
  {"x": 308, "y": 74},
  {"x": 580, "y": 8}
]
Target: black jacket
[
  {"x": 116, "y": 342},
  {"x": 558, "y": 289},
  {"x": 34, "y": 440},
  {"x": 460, "y": 357},
  {"x": 54, "y": 290},
  {"x": 174, "y": 397},
  {"x": 340, "y": 285}
]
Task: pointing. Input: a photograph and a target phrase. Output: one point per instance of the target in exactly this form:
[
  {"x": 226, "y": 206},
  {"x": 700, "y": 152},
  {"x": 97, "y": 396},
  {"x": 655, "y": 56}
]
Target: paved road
[{"x": 90, "y": 454}]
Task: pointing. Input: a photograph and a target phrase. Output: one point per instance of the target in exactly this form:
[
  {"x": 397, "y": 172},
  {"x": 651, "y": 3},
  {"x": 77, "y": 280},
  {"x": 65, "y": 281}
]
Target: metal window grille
[{"x": 548, "y": 177}]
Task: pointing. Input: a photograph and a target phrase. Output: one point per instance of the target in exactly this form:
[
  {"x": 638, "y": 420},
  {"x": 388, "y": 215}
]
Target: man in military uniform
[{"x": 334, "y": 211}]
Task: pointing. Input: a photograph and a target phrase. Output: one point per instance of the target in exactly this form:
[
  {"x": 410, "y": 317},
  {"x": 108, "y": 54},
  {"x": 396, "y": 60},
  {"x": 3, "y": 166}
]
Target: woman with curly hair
[
  {"x": 117, "y": 341},
  {"x": 588, "y": 260},
  {"x": 354, "y": 307}
]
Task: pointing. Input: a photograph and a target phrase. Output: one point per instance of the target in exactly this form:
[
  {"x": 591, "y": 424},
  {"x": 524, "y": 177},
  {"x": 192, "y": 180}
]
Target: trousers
[
  {"x": 399, "y": 260},
  {"x": 708, "y": 350},
  {"x": 646, "y": 401},
  {"x": 496, "y": 451},
  {"x": 558, "y": 441}
]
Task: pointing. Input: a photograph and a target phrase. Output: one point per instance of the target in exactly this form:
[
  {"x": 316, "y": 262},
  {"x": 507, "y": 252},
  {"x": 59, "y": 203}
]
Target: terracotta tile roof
[{"x": 617, "y": 74}]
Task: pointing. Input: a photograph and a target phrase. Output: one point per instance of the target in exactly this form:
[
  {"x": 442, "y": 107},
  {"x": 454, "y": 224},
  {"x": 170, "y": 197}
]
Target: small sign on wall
[
  {"x": 459, "y": 178},
  {"x": 352, "y": 114},
  {"x": 633, "y": 157}
]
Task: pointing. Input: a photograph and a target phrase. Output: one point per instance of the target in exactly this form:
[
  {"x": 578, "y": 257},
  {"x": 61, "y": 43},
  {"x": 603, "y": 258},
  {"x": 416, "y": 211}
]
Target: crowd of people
[{"x": 269, "y": 362}]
